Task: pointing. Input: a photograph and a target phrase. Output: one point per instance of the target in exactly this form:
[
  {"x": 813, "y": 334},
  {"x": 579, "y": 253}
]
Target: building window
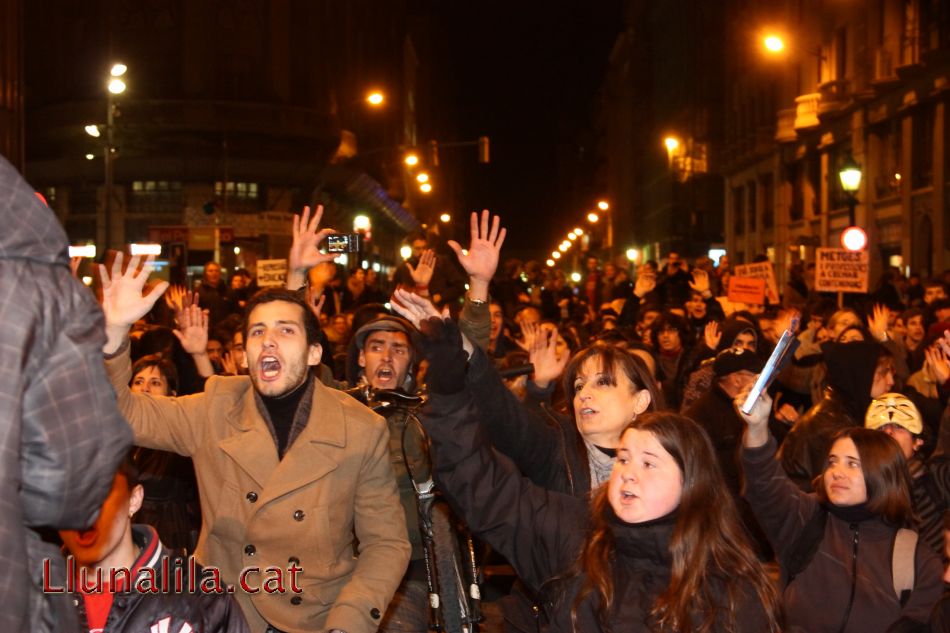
[
  {"x": 241, "y": 190},
  {"x": 156, "y": 196},
  {"x": 738, "y": 210},
  {"x": 922, "y": 157},
  {"x": 887, "y": 178},
  {"x": 767, "y": 182}
]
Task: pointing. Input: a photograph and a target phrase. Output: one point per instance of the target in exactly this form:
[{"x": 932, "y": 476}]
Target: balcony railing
[
  {"x": 785, "y": 127},
  {"x": 806, "y": 111}
]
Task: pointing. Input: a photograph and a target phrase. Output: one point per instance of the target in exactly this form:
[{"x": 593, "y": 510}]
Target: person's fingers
[
  {"x": 315, "y": 221},
  {"x": 455, "y": 246},
  {"x": 296, "y": 228},
  {"x": 412, "y": 271},
  {"x": 495, "y": 227},
  {"x": 117, "y": 265},
  {"x": 501, "y": 238},
  {"x": 103, "y": 276},
  {"x": 157, "y": 291},
  {"x": 446, "y": 313},
  {"x": 484, "y": 229}
]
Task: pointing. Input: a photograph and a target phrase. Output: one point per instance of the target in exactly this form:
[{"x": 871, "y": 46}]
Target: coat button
[
  {"x": 374, "y": 612},
  {"x": 250, "y": 550},
  {"x": 293, "y": 560},
  {"x": 252, "y": 496},
  {"x": 299, "y": 515},
  {"x": 296, "y": 600}
]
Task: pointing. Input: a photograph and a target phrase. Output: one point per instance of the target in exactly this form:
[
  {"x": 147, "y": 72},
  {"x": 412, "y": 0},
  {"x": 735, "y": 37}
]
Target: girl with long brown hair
[
  {"x": 845, "y": 547},
  {"x": 659, "y": 548}
]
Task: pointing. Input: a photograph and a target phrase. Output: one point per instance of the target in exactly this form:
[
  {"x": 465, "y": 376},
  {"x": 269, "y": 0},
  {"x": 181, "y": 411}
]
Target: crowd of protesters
[{"x": 589, "y": 434}]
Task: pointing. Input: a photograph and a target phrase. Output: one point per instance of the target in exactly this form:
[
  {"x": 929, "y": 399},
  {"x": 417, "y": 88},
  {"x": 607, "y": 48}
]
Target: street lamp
[
  {"x": 411, "y": 160},
  {"x": 375, "y": 98},
  {"x": 425, "y": 187},
  {"x": 592, "y": 217},
  {"x": 422, "y": 177},
  {"x": 854, "y": 238},
  {"x": 445, "y": 218},
  {"x": 603, "y": 205},
  {"x": 115, "y": 85},
  {"x": 773, "y": 43}
]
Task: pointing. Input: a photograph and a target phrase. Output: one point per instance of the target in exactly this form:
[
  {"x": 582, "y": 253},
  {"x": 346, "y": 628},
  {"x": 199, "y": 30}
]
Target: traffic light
[{"x": 484, "y": 154}]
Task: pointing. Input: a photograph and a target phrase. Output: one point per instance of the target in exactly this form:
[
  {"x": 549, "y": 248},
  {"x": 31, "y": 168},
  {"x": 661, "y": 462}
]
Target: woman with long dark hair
[
  {"x": 845, "y": 547},
  {"x": 658, "y": 548}
]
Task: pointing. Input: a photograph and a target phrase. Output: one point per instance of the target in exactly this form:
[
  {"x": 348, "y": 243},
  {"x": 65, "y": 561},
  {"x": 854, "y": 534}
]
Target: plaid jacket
[{"x": 61, "y": 435}]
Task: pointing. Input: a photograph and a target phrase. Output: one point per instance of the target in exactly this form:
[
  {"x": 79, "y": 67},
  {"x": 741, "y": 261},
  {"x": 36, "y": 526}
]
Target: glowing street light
[
  {"x": 425, "y": 187},
  {"x": 89, "y": 156},
  {"x": 556, "y": 255},
  {"x": 575, "y": 277},
  {"x": 422, "y": 177},
  {"x": 445, "y": 218},
  {"x": 603, "y": 205},
  {"x": 773, "y": 43},
  {"x": 672, "y": 144},
  {"x": 633, "y": 254},
  {"x": 92, "y": 130},
  {"x": 572, "y": 236},
  {"x": 592, "y": 217},
  {"x": 116, "y": 86},
  {"x": 550, "y": 263},
  {"x": 405, "y": 252},
  {"x": 118, "y": 69},
  {"x": 563, "y": 248},
  {"x": 411, "y": 160},
  {"x": 361, "y": 223},
  {"x": 375, "y": 98},
  {"x": 578, "y": 231}
]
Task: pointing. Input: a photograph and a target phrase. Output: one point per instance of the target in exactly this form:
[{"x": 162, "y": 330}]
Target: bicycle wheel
[{"x": 449, "y": 563}]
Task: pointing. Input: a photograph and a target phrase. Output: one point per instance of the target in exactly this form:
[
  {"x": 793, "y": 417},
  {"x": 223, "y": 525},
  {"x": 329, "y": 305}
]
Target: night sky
[{"x": 527, "y": 74}]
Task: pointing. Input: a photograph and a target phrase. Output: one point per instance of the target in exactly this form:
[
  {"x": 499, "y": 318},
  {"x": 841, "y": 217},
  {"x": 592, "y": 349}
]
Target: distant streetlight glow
[
  {"x": 425, "y": 187},
  {"x": 562, "y": 248},
  {"x": 446, "y": 218},
  {"x": 773, "y": 44},
  {"x": 118, "y": 69},
  {"x": 87, "y": 250},
  {"x": 575, "y": 277},
  {"x": 854, "y": 238},
  {"x": 361, "y": 223},
  {"x": 592, "y": 217},
  {"x": 422, "y": 177},
  {"x": 556, "y": 255},
  {"x": 89, "y": 156},
  {"x": 603, "y": 205},
  {"x": 672, "y": 143},
  {"x": 92, "y": 130},
  {"x": 137, "y": 250},
  {"x": 572, "y": 236},
  {"x": 116, "y": 86},
  {"x": 633, "y": 254},
  {"x": 237, "y": 250},
  {"x": 405, "y": 252},
  {"x": 375, "y": 98},
  {"x": 550, "y": 263},
  {"x": 412, "y": 160},
  {"x": 578, "y": 231}
]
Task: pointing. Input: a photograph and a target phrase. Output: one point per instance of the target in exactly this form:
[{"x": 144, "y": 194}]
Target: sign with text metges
[{"x": 841, "y": 270}]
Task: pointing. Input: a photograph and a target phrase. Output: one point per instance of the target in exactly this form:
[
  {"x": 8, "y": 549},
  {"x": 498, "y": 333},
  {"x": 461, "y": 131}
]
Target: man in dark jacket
[
  {"x": 213, "y": 294},
  {"x": 62, "y": 435},
  {"x": 857, "y": 372}
]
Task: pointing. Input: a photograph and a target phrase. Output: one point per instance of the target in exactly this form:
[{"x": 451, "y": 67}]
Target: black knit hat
[{"x": 736, "y": 359}]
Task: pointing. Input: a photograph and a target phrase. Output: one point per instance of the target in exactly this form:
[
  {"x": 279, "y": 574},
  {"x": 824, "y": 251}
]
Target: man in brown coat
[{"x": 289, "y": 471}]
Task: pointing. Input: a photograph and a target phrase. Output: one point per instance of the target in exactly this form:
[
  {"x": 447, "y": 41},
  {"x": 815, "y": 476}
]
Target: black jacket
[
  {"x": 541, "y": 532},
  {"x": 544, "y": 444},
  {"x": 135, "y": 612}
]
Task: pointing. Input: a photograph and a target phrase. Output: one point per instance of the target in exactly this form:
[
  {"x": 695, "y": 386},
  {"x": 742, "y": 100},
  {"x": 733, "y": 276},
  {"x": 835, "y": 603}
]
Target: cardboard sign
[
  {"x": 271, "y": 273},
  {"x": 841, "y": 270},
  {"x": 764, "y": 271},
  {"x": 748, "y": 290}
]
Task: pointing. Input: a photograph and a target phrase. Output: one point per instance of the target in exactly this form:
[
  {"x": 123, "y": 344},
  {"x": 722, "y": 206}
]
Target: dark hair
[
  {"x": 675, "y": 321},
  {"x": 310, "y": 323},
  {"x": 129, "y": 470},
  {"x": 709, "y": 547},
  {"x": 613, "y": 359},
  {"x": 164, "y": 366},
  {"x": 885, "y": 474}
]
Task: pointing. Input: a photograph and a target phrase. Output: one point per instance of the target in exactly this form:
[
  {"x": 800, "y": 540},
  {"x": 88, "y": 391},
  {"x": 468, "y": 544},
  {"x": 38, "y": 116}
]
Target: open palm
[
  {"x": 122, "y": 300},
  {"x": 481, "y": 259}
]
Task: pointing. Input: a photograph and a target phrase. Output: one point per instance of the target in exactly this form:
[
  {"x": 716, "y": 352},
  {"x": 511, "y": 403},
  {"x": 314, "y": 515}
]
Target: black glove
[{"x": 440, "y": 343}]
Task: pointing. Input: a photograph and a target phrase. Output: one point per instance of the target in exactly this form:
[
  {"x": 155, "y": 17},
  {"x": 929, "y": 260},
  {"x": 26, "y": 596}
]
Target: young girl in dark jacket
[
  {"x": 845, "y": 580},
  {"x": 658, "y": 548}
]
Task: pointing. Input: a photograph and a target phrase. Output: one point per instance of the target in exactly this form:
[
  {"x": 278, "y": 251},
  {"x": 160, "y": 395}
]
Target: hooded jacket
[
  {"x": 63, "y": 436},
  {"x": 851, "y": 368}
]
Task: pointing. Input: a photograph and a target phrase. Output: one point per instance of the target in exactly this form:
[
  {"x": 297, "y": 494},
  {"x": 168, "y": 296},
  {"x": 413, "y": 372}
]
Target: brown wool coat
[{"x": 335, "y": 481}]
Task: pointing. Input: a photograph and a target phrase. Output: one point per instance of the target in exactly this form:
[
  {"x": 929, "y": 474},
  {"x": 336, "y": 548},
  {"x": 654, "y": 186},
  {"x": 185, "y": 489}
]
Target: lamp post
[
  {"x": 854, "y": 238},
  {"x": 115, "y": 86}
]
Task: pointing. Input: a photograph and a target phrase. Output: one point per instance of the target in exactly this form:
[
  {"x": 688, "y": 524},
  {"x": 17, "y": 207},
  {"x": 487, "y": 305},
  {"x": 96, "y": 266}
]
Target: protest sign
[
  {"x": 841, "y": 270},
  {"x": 748, "y": 290},
  {"x": 764, "y": 271},
  {"x": 271, "y": 273}
]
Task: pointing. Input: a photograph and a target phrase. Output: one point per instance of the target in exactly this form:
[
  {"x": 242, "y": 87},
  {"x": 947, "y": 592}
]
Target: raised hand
[
  {"x": 192, "y": 329},
  {"x": 176, "y": 298},
  {"x": 422, "y": 273},
  {"x": 700, "y": 282},
  {"x": 303, "y": 253},
  {"x": 414, "y": 308},
  {"x": 712, "y": 335},
  {"x": 877, "y": 322},
  {"x": 481, "y": 259},
  {"x": 315, "y": 300},
  {"x": 646, "y": 282},
  {"x": 543, "y": 355},
  {"x": 937, "y": 361},
  {"x": 228, "y": 364},
  {"x": 757, "y": 422},
  {"x": 122, "y": 301},
  {"x": 529, "y": 333}
]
